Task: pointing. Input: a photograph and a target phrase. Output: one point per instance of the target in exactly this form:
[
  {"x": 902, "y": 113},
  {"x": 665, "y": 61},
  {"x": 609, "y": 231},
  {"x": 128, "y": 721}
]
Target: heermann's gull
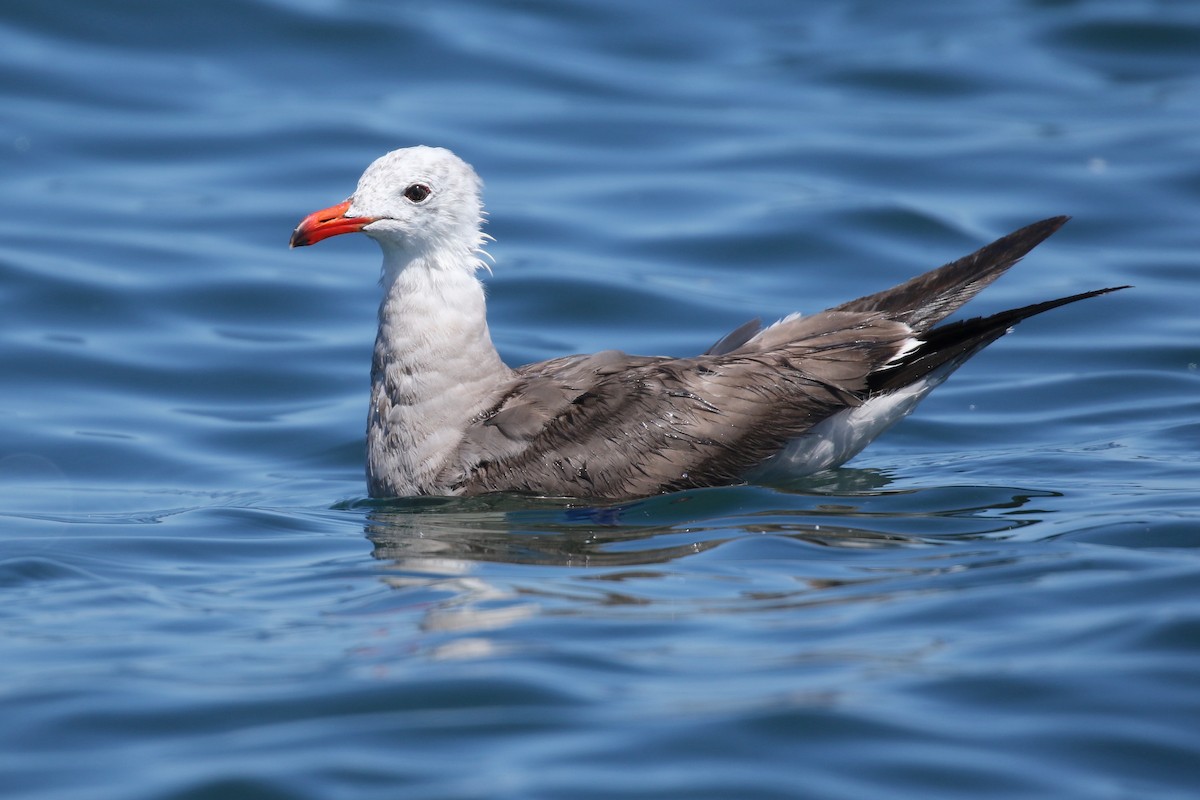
[{"x": 805, "y": 394}]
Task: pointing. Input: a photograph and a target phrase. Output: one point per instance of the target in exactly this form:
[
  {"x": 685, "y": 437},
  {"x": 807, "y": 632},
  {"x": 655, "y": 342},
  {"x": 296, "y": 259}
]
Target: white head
[{"x": 418, "y": 202}]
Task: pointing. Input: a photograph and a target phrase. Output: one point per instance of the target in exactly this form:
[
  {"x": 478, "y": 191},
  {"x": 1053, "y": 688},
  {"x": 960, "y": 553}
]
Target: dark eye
[{"x": 417, "y": 192}]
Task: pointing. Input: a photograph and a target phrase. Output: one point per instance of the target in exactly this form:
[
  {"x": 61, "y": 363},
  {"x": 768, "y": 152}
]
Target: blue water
[{"x": 1001, "y": 598}]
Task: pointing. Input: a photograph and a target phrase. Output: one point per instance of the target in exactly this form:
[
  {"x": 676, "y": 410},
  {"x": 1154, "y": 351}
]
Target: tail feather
[{"x": 927, "y": 299}]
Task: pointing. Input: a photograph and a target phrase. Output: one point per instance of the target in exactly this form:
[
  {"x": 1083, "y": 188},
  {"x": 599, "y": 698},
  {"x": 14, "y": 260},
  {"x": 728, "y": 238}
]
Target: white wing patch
[{"x": 910, "y": 344}]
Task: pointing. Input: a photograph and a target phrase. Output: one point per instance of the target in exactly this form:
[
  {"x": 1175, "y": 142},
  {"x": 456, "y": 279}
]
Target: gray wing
[{"x": 615, "y": 426}]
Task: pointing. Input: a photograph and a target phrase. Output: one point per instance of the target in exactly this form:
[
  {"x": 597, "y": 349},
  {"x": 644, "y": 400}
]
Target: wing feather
[{"x": 614, "y": 425}]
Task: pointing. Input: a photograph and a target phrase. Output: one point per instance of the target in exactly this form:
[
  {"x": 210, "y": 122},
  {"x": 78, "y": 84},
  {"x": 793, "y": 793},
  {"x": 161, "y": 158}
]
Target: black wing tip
[
  {"x": 1062, "y": 301},
  {"x": 955, "y": 343},
  {"x": 1015, "y": 315},
  {"x": 1113, "y": 289}
]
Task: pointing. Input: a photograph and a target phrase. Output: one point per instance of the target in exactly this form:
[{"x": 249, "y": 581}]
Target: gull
[{"x": 807, "y": 393}]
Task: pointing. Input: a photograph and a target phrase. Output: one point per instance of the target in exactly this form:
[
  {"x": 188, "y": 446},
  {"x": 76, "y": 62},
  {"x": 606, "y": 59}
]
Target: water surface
[{"x": 997, "y": 599}]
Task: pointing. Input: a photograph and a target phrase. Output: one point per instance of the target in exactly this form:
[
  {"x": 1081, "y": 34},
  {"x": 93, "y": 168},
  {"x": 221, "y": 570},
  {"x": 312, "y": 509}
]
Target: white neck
[{"x": 434, "y": 369}]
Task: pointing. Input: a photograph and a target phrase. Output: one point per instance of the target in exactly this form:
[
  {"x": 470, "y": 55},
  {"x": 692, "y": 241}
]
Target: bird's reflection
[
  {"x": 842, "y": 509},
  {"x": 477, "y": 570}
]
